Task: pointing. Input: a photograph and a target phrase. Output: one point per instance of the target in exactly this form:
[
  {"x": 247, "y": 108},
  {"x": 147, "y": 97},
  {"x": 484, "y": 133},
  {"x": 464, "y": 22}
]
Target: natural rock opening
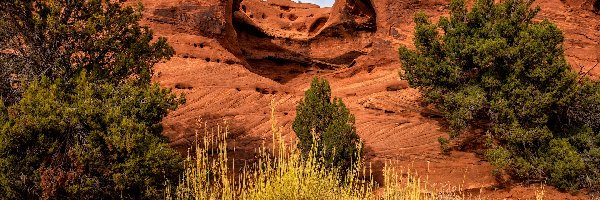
[
  {"x": 274, "y": 37},
  {"x": 292, "y": 17},
  {"x": 317, "y": 25},
  {"x": 291, "y": 41}
]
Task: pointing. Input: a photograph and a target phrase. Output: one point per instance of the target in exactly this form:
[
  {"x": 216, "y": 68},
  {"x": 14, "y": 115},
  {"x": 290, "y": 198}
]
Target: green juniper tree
[
  {"x": 60, "y": 39},
  {"x": 79, "y": 117},
  {"x": 328, "y": 123},
  {"x": 92, "y": 141},
  {"x": 495, "y": 68}
]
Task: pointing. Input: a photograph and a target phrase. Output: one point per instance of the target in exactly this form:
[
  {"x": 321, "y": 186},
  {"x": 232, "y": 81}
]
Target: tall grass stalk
[{"x": 283, "y": 172}]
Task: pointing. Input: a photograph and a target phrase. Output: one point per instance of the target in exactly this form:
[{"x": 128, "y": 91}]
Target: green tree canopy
[
  {"x": 328, "y": 123},
  {"x": 61, "y": 38},
  {"x": 97, "y": 140},
  {"x": 79, "y": 118},
  {"x": 494, "y": 67}
]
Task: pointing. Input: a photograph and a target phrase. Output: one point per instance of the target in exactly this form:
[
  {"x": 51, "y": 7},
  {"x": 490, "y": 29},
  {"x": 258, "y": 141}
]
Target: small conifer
[{"x": 328, "y": 123}]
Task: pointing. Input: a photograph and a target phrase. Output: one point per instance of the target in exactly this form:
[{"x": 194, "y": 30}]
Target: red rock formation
[{"x": 234, "y": 56}]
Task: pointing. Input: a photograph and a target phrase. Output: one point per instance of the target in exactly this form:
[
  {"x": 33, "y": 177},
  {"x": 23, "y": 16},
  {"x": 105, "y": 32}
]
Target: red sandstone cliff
[{"x": 234, "y": 56}]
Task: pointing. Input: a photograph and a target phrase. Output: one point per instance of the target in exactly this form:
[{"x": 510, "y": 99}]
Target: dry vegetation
[{"x": 281, "y": 172}]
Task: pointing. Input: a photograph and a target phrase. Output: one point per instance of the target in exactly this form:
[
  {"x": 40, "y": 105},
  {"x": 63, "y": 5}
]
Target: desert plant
[
  {"x": 81, "y": 118},
  {"x": 566, "y": 165},
  {"x": 585, "y": 108},
  {"x": 444, "y": 145},
  {"x": 90, "y": 141},
  {"x": 284, "y": 172},
  {"x": 329, "y": 123},
  {"x": 493, "y": 67},
  {"x": 60, "y": 39},
  {"x": 280, "y": 173}
]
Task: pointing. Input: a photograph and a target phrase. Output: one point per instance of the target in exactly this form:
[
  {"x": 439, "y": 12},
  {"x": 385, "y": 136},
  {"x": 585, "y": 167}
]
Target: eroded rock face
[
  {"x": 593, "y": 5},
  {"x": 233, "y": 57},
  {"x": 252, "y": 32},
  {"x": 291, "y": 36},
  {"x": 286, "y": 19},
  {"x": 274, "y": 31}
]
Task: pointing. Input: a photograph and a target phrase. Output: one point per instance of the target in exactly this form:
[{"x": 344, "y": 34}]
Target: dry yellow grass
[{"x": 283, "y": 173}]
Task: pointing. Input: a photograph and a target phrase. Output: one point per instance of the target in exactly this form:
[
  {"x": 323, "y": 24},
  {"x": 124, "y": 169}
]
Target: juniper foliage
[
  {"x": 62, "y": 38},
  {"x": 329, "y": 123},
  {"x": 494, "y": 67},
  {"x": 79, "y": 118}
]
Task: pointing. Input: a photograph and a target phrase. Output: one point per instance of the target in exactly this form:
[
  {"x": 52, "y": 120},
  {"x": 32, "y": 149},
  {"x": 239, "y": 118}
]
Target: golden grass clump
[{"x": 284, "y": 173}]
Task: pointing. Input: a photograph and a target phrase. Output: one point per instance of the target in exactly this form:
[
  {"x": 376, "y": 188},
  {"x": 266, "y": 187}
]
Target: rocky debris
[
  {"x": 400, "y": 85},
  {"x": 185, "y": 86},
  {"x": 266, "y": 90}
]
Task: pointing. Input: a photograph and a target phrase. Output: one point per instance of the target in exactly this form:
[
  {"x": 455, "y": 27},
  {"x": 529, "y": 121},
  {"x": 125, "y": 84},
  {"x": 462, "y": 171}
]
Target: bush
[
  {"x": 92, "y": 141},
  {"x": 566, "y": 165},
  {"x": 585, "y": 108},
  {"x": 328, "y": 123},
  {"x": 493, "y": 67},
  {"x": 444, "y": 145}
]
